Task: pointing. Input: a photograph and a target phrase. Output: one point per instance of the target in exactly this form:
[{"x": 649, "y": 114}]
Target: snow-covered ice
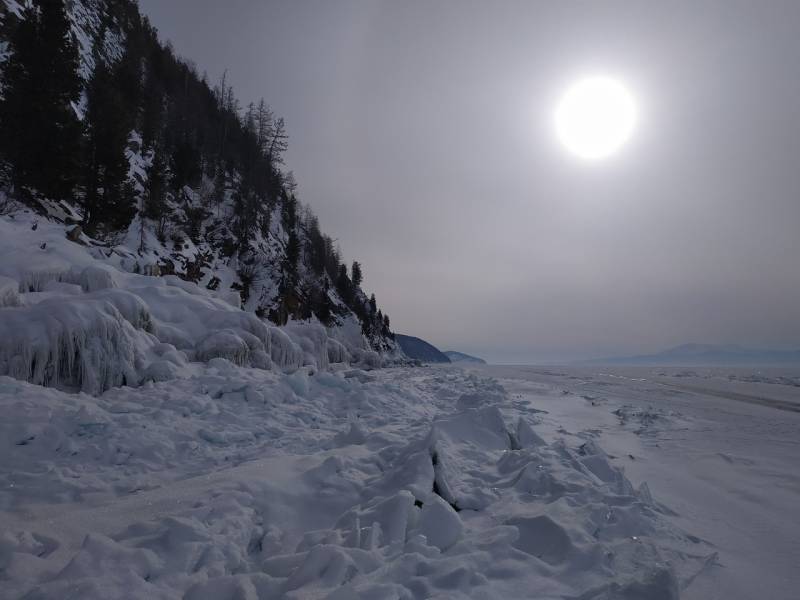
[
  {"x": 236, "y": 482},
  {"x": 718, "y": 449}
]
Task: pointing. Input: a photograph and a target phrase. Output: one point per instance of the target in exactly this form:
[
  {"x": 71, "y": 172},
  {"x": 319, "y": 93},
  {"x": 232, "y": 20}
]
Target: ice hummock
[{"x": 238, "y": 482}]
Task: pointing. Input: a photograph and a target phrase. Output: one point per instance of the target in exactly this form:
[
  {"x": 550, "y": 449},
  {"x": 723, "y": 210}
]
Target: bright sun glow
[{"x": 595, "y": 117}]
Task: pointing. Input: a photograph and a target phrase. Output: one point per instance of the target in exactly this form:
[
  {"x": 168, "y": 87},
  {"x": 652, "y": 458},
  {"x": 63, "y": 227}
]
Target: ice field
[
  {"x": 489, "y": 482},
  {"x": 718, "y": 448}
]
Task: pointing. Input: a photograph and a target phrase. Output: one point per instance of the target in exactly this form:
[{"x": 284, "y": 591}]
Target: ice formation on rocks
[
  {"x": 9, "y": 292},
  {"x": 83, "y": 343},
  {"x": 71, "y": 317}
]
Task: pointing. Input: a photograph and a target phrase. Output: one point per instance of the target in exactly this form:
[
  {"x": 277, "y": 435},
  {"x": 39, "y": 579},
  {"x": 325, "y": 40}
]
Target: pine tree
[
  {"x": 343, "y": 284},
  {"x": 153, "y": 108},
  {"x": 322, "y": 305},
  {"x": 220, "y": 187},
  {"x": 292, "y": 253},
  {"x": 277, "y": 143},
  {"x": 264, "y": 122},
  {"x": 386, "y": 325},
  {"x": 39, "y": 131},
  {"x": 184, "y": 163},
  {"x": 245, "y": 208},
  {"x": 250, "y": 120},
  {"x": 155, "y": 198},
  {"x": 109, "y": 119},
  {"x": 356, "y": 274}
]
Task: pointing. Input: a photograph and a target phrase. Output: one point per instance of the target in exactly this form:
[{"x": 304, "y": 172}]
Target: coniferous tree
[
  {"x": 218, "y": 194},
  {"x": 322, "y": 306},
  {"x": 264, "y": 121},
  {"x": 155, "y": 195},
  {"x": 108, "y": 196},
  {"x": 343, "y": 284},
  {"x": 356, "y": 274},
  {"x": 265, "y": 220},
  {"x": 250, "y": 120},
  {"x": 39, "y": 130},
  {"x": 317, "y": 246},
  {"x": 292, "y": 255},
  {"x": 277, "y": 144},
  {"x": 293, "y": 242},
  {"x": 245, "y": 206},
  {"x": 386, "y": 325},
  {"x": 184, "y": 164},
  {"x": 153, "y": 106},
  {"x": 129, "y": 73},
  {"x": 331, "y": 258}
]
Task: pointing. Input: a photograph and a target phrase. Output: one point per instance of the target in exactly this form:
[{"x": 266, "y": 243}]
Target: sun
[{"x": 595, "y": 117}]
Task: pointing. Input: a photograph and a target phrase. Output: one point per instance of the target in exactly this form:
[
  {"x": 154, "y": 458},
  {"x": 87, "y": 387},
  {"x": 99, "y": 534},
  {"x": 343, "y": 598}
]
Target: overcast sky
[{"x": 421, "y": 134}]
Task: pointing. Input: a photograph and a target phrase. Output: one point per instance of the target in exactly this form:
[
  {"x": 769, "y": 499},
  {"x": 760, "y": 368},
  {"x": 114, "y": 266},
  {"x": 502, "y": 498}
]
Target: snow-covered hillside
[
  {"x": 172, "y": 175},
  {"x": 79, "y": 315}
]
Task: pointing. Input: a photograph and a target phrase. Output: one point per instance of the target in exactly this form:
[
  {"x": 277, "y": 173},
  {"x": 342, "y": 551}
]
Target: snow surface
[
  {"x": 717, "y": 447},
  {"x": 237, "y": 482}
]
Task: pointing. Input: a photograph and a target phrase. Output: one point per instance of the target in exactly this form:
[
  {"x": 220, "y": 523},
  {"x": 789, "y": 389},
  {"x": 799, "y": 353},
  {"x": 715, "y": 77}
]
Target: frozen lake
[
  {"x": 413, "y": 483},
  {"x": 718, "y": 447}
]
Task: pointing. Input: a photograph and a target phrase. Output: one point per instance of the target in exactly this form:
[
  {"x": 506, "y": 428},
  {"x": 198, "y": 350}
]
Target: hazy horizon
[
  {"x": 499, "y": 357},
  {"x": 422, "y": 136}
]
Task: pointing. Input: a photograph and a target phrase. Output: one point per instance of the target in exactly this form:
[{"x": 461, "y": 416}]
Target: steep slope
[
  {"x": 168, "y": 171},
  {"x": 419, "y": 349}
]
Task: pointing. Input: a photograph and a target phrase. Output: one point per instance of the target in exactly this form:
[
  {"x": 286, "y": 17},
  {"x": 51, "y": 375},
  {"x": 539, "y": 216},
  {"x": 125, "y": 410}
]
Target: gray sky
[{"x": 421, "y": 134}]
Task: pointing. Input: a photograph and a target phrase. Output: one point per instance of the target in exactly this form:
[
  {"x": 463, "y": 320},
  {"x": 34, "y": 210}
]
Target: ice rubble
[
  {"x": 318, "y": 486},
  {"x": 72, "y": 316}
]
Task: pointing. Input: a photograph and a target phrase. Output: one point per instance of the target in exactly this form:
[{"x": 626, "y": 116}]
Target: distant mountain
[
  {"x": 414, "y": 347},
  {"x": 460, "y": 357},
  {"x": 706, "y": 355}
]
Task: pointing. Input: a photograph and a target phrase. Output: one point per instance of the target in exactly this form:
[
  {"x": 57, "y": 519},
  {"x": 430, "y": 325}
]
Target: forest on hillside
[{"x": 97, "y": 114}]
